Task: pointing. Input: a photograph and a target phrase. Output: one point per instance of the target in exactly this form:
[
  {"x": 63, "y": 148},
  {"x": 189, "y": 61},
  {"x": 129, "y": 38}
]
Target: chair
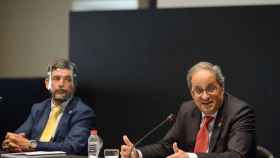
[{"x": 262, "y": 152}]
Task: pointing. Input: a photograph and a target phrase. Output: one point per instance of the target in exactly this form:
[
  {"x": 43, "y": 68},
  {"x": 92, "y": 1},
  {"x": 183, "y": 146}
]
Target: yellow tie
[{"x": 51, "y": 124}]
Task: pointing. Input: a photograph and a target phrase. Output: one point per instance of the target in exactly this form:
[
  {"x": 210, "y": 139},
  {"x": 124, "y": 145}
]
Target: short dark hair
[{"x": 63, "y": 64}]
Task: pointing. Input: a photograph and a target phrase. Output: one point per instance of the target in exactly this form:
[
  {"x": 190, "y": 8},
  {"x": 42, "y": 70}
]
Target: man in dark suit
[
  {"x": 214, "y": 124},
  {"x": 62, "y": 122}
]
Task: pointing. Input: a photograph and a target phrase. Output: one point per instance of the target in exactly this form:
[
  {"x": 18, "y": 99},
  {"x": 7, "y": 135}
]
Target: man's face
[
  {"x": 206, "y": 92},
  {"x": 62, "y": 85}
]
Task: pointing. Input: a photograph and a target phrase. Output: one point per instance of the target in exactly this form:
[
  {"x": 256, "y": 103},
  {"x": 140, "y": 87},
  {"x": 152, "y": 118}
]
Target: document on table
[{"x": 34, "y": 154}]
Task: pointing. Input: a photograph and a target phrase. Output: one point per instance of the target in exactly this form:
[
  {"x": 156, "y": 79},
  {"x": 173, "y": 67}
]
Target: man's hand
[
  {"x": 128, "y": 150},
  {"x": 178, "y": 153},
  {"x": 16, "y": 143},
  {"x": 10, "y": 146}
]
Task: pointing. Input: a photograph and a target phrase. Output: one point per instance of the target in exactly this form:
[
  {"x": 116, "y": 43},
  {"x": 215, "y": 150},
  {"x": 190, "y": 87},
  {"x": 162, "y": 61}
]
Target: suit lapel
[
  {"x": 44, "y": 119},
  {"x": 63, "y": 123},
  {"x": 195, "y": 125},
  {"x": 217, "y": 129}
]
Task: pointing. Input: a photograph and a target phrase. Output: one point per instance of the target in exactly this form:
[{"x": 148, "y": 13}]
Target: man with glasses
[
  {"x": 62, "y": 122},
  {"x": 214, "y": 124}
]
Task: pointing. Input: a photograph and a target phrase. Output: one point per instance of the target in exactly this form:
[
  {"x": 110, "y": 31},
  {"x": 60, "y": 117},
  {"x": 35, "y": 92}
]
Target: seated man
[
  {"x": 214, "y": 124},
  {"x": 62, "y": 122}
]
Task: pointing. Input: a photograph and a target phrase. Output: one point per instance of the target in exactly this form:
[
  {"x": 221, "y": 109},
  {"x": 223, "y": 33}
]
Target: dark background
[
  {"x": 132, "y": 67},
  {"x": 133, "y": 63}
]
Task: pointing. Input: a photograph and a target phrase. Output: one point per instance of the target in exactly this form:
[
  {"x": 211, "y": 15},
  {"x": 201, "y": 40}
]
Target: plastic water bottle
[{"x": 94, "y": 144}]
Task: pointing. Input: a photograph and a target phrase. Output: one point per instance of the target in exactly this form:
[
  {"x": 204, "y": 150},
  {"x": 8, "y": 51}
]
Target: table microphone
[{"x": 169, "y": 118}]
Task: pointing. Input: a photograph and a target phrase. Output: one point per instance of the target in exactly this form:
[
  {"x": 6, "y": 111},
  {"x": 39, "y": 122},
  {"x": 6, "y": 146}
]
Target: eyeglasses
[{"x": 210, "y": 90}]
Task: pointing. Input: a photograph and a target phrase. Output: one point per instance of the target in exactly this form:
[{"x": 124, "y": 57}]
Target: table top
[
  {"x": 66, "y": 156},
  {"x": 72, "y": 156}
]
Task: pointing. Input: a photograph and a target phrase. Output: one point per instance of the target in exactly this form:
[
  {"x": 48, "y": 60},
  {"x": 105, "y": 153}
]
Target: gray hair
[{"x": 206, "y": 66}]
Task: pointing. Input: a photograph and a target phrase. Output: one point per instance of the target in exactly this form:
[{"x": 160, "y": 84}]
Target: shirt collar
[
  {"x": 63, "y": 105},
  {"x": 213, "y": 115}
]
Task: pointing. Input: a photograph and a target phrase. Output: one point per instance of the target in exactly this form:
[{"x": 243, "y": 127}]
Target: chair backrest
[{"x": 262, "y": 152}]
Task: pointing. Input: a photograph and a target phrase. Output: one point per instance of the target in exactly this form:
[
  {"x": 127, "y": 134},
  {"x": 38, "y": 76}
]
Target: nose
[
  {"x": 61, "y": 83},
  {"x": 205, "y": 95}
]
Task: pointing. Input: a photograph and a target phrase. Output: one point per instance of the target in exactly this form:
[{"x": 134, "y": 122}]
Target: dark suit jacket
[
  {"x": 72, "y": 131},
  {"x": 233, "y": 135}
]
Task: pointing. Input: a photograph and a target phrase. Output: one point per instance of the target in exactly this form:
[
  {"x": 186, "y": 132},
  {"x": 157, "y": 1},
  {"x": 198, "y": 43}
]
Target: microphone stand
[{"x": 170, "y": 117}]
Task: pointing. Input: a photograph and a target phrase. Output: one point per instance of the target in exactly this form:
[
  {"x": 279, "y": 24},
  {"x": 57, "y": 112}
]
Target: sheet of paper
[{"x": 34, "y": 154}]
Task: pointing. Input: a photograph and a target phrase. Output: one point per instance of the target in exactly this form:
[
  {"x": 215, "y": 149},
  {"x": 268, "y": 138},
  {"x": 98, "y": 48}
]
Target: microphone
[{"x": 170, "y": 118}]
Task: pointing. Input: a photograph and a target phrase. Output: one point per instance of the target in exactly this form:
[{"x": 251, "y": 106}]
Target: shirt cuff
[
  {"x": 139, "y": 153},
  {"x": 192, "y": 155}
]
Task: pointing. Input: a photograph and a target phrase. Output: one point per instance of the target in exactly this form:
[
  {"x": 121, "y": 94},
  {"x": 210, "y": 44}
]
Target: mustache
[{"x": 60, "y": 91}]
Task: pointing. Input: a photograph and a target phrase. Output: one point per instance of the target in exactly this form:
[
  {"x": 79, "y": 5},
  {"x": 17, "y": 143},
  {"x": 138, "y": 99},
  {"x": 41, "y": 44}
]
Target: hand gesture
[
  {"x": 178, "y": 153},
  {"x": 128, "y": 150}
]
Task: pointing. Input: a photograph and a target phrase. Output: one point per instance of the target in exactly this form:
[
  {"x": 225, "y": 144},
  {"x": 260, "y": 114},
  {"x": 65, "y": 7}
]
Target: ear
[
  {"x": 47, "y": 83},
  {"x": 192, "y": 93},
  {"x": 223, "y": 89}
]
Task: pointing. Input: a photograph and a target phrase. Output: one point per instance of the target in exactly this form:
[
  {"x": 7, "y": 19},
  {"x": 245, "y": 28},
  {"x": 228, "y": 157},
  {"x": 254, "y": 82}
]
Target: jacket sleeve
[{"x": 26, "y": 127}]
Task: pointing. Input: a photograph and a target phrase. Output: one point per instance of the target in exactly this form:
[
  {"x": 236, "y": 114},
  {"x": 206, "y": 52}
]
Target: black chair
[{"x": 262, "y": 152}]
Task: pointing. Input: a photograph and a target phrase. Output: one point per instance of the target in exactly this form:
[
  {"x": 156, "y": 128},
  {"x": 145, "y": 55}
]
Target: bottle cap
[{"x": 93, "y": 132}]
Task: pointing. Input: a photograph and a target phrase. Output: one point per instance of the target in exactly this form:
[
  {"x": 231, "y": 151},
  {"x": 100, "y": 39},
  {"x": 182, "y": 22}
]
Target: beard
[{"x": 61, "y": 95}]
